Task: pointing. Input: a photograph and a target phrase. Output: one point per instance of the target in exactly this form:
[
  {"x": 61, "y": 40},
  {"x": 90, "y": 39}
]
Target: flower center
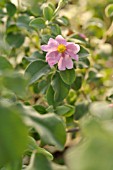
[{"x": 61, "y": 48}]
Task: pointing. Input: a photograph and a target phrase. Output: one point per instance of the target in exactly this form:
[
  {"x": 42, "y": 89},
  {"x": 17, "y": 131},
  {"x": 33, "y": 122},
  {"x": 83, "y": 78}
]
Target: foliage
[{"x": 44, "y": 111}]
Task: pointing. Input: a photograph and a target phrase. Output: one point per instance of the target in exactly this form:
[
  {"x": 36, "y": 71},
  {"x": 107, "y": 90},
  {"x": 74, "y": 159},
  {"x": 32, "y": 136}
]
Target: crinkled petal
[
  {"x": 45, "y": 47},
  {"x": 53, "y": 57},
  {"x": 68, "y": 62},
  {"x": 52, "y": 42},
  {"x": 52, "y": 45},
  {"x": 61, "y": 40},
  {"x": 65, "y": 62},
  {"x": 72, "y": 55},
  {"x": 72, "y": 50},
  {"x": 61, "y": 64},
  {"x": 71, "y": 47},
  {"x": 52, "y": 62}
]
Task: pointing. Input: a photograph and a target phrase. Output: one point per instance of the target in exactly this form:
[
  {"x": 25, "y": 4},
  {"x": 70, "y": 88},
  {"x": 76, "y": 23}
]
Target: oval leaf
[
  {"x": 11, "y": 9},
  {"x": 50, "y": 96},
  {"x": 36, "y": 70},
  {"x": 32, "y": 146},
  {"x": 68, "y": 76},
  {"x": 83, "y": 52},
  {"x": 44, "y": 126},
  {"x": 38, "y": 23},
  {"x": 61, "y": 89},
  {"x": 109, "y": 10},
  {"x": 13, "y": 135},
  {"x": 4, "y": 64},
  {"x": 39, "y": 161},
  {"x": 102, "y": 110},
  {"x": 48, "y": 13},
  {"x": 15, "y": 39}
]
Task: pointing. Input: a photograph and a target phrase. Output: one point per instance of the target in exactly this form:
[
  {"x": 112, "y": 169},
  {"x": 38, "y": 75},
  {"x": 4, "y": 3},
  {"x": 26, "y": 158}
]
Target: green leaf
[
  {"x": 32, "y": 146},
  {"x": 68, "y": 76},
  {"x": 83, "y": 52},
  {"x": 78, "y": 82},
  {"x": 83, "y": 63},
  {"x": 65, "y": 110},
  {"x": 110, "y": 98},
  {"x": 50, "y": 96},
  {"x": 109, "y": 10},
  {"x": 44, "y": 124},
  {"x": 93, "y": 75},
  {"x": 72, "y": 97},
  {"x": 33, "y": 6},
  {"x": 45, "y": 38},
  {"x": 17, "y": 165},
  {"x": 23, "y": 21},
  {"x": 39, "y": 161},
  {"x": 63, "y": 21},
  {"x": 38, "y": 23},
  {"x": 40, "y": 109},
  {"x": 36, "y": 70},
  {"x": 15, "y": 39},
  {"x": 60, "y": 88},
  {"x": 55, "y": 29},
  {"x": 15, "y": 82},
  {"x": 93, "y": 153},
  {"x": 4, "y": 64},
  {"x": 101, "y": 110},
  {"x": 12, "y": 28},
  {"x": 13, "y": 135},
  {"x": 81, "y": 110},
  {"x": 48, "y": 13},
  {"x": 11, "y": 9},
  {"x": 2, "y": 3},
  {"x": 43, "y": 85},
  {"x": 95, "y": 27}
]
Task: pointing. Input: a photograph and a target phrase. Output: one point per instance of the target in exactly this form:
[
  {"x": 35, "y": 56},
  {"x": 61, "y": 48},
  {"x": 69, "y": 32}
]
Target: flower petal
[
  {"x": 61, "y": 40},
  {"x": 52, "y": 42},
  {"x": 72, "y": 50},
  {"x": 71, "y": 47},
  {"x": 45, "y": 47},
  {"x": 68, "y": 62},
  {"x": 52, "y": 45},
  {"x": 53, "y": 57},
  {"x": 72, "y": 55},
  {"x": 61, "y": 64},
  {"x": 51, "y": 62}
]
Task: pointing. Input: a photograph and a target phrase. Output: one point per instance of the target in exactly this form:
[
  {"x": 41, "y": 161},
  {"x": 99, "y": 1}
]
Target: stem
[
  {"x": 60, "y": 5},
  {"x": 108, "y": 33},
  {"x": 76, "y": 129},
  {"x": 18, "y": 4}
]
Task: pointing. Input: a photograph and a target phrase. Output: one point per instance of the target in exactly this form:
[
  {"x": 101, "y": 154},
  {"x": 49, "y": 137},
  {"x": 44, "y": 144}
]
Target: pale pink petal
[
  {"x": 68, "y": 62},
  {"x": 61, "y": 40},
  {"x": 75, "y": 57},
  {"x": 61, "y": 64},
  {"x": 53, "y": 57},
  {"x": 72, "y": 55},
  {"x": 52, "y": 62},
  {"x": 71, "y": 47},
  {"x": 72, "y": 50},
  {"x": 45, "y": 47},
  {"x": 52, "y": 45},
  {"x": 52, "y": 42}
]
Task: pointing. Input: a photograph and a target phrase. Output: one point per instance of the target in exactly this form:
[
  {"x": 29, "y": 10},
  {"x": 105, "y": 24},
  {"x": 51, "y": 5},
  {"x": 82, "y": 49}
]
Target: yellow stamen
[{"x": 61, "y": 48}]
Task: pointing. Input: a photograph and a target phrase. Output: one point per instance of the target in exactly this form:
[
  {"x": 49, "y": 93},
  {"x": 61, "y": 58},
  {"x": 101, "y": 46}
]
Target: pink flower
[{"x": 62, "y": 52}]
